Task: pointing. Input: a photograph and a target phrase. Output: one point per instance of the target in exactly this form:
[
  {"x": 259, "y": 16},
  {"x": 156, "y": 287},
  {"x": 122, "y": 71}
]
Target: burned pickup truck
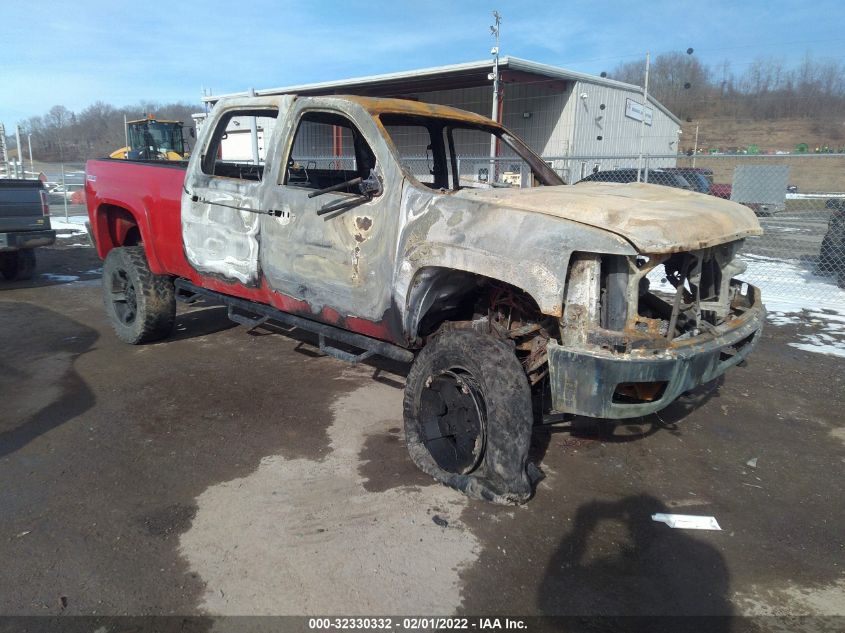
[{"x": 362, "y": 220}]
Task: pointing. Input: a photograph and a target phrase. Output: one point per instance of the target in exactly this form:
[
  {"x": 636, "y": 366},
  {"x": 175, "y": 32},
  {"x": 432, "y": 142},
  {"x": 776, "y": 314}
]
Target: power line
[{"x": 640, "y": 55}]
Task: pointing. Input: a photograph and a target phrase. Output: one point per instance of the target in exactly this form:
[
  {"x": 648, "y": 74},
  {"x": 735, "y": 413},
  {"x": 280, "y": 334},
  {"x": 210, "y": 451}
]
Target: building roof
[
  {"x": 387, "y": 105},
  {"x": 466, "y": 75}
]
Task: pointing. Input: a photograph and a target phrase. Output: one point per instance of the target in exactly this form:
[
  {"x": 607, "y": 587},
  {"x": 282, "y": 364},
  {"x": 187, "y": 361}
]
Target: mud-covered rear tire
[
  {"x": 468, "y": 416},
  {"x": 17, "y": 265},
  {"x": 141, "y": 306}
]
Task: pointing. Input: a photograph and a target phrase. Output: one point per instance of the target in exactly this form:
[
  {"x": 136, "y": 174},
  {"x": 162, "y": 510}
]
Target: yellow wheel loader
[{"x": 154, "y": 139}]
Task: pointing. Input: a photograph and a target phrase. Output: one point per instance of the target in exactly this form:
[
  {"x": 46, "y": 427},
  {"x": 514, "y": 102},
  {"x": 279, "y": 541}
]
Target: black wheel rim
[
  {"x": 122, "y": 294},
  {"x": 453, "y": 420}
]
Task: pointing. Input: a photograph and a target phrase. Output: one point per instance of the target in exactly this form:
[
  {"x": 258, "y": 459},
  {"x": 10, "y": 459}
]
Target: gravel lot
[{"x": 229, "y": 472}]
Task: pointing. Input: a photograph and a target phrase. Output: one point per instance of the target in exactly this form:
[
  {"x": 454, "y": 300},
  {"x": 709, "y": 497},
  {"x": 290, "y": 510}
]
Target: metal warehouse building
[{"x": 577, "y": 122}]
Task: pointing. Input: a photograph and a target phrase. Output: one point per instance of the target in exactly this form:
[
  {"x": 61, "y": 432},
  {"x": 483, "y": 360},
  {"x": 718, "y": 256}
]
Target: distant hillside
[{"x": 768, "y": 135}]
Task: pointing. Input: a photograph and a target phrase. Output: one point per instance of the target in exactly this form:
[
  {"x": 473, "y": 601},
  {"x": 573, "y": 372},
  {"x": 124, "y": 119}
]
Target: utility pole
[
  {"x": 494, "y": 30},
  {"x": 642, "y": 121},
  {"x": 695, "y": 146}
]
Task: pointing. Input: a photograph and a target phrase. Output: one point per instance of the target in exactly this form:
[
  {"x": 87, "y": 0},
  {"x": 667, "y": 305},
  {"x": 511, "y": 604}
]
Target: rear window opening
[{"x": 238, "y": 145}]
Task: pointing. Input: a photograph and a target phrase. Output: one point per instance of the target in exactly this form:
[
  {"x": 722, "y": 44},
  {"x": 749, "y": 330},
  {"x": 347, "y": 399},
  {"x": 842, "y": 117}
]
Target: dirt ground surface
[{"x": 232, "y": 472}]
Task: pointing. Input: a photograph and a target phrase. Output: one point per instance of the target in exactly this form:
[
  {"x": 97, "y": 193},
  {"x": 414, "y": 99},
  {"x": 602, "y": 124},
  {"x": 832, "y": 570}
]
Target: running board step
[
  {"x": 264, "y": 313},
  {"x": 245, "y": 320},
  {"x": 339, "y": 354}
]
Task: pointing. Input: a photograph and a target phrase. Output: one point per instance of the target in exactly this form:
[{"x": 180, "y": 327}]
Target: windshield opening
[{"x": 450, "y": 154}]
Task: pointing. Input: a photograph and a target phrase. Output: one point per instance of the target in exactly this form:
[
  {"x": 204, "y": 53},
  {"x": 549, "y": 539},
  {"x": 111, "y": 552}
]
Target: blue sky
[{"x": 75, "y": 52}]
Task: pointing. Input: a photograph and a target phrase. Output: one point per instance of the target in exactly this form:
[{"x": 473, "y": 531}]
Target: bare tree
[
  {"x": 97, "y": 130},
  {"x": 768, "y": 89}
]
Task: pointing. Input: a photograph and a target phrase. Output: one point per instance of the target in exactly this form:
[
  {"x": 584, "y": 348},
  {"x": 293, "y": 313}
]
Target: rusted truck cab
[{"x": 436, "y": 236}]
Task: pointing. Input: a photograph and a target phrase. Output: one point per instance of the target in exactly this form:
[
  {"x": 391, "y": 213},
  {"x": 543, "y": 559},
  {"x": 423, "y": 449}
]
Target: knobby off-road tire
[
  {"x": 468, "y": 416},
  {"x": 18, "y": 265},
  {"x": 141, "y": 306}
]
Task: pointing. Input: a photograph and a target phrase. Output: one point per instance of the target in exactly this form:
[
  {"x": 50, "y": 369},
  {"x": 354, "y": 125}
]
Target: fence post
[{"x": 64, "y": 191}]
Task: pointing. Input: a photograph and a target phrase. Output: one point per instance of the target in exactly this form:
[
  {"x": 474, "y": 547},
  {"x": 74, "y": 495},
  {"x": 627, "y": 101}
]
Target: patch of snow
[
  {"x": 791, "y": 285},
  {"x": 786, "y": 229},
  {"x": 74, "y": 225},
  {"x": 791, "y": 294},
  {"x": 59, "y": 278},
  {"x": 810, "y": 196}
]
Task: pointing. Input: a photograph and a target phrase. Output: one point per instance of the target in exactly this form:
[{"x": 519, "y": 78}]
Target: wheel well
[
  {"x": 443, "y": 294},
  {"x": 117, "y": 227},
  {"x": 442, "y": 297}
]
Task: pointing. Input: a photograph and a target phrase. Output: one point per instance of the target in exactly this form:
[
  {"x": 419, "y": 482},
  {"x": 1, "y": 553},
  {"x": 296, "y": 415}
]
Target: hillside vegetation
[
  {"x": 770, "y": 105},
  {"x": 726, "y": 134},
  {"x": 96, "y": 131}
]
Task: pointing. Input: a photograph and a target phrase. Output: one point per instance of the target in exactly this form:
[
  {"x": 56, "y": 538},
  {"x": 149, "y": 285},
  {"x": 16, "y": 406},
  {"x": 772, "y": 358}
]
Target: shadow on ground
[
  {"x": 582, "y": 429},
  {"x": 652, "y": 570},
  {"x": 37, "y": 364},
  {"x": 66, "y": 262}
]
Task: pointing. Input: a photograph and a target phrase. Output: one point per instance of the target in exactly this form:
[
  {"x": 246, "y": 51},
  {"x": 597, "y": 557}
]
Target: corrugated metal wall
[
  {"x": 548, "y": 127},
  {"x": 620, "y": 135}
]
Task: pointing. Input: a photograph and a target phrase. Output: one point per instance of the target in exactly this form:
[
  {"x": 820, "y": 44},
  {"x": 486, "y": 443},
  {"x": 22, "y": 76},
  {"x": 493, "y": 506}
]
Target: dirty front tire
[
  {"x": 468, "y": 416},
  {"x": 18, "y": 265},
  {"x": 141, "y": 306}
]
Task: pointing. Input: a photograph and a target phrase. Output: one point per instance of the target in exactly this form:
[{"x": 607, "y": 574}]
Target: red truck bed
[{"x": 151, "y": 193}]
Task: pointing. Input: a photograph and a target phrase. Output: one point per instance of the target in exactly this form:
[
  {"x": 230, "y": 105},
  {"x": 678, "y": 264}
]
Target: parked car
[
  {"x": 24, "y": 225},
  {"x": 655, "y": 177},
  {"x": 761, "y": 209},
  {"x": 59, "y": 193},
  {"x": 699, "y": 178},
  {"x": 721, "y": 190},
  {"x": 77, "y": 196},
  {"x": 832, "y": 251},
  {"x": 490, "y": 292}
]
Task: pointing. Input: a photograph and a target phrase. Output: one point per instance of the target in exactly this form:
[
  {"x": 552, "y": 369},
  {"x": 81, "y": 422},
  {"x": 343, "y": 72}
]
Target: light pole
[
  {"x": 31, "y": 164},
  {"x": 494, "y": 30},
  {"x": 20, "y": 153},
  {"x": 642, "y": 120}
]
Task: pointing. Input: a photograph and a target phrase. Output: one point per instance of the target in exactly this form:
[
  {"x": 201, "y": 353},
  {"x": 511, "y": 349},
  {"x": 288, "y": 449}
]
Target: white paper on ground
[{"x": 687, "y": 521}]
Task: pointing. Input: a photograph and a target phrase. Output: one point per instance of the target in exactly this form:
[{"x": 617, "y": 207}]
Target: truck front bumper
[
  {"x": 587, "y": 381},
  {"x": 18, "y": 240}
]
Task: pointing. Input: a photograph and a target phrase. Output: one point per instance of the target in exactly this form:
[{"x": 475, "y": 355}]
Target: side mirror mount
[{"x": 371, "y": 185}]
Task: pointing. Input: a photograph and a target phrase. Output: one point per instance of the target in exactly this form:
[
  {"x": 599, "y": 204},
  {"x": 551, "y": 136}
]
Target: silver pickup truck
[
  {"x": 380, "y": 224},
  {"x": 24, "y": 225}
]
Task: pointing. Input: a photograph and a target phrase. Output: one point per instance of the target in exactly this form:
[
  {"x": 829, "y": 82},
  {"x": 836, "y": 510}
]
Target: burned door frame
[
  {"x": 339, "y": 263},
  {"x": 221, "y": 213}
]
